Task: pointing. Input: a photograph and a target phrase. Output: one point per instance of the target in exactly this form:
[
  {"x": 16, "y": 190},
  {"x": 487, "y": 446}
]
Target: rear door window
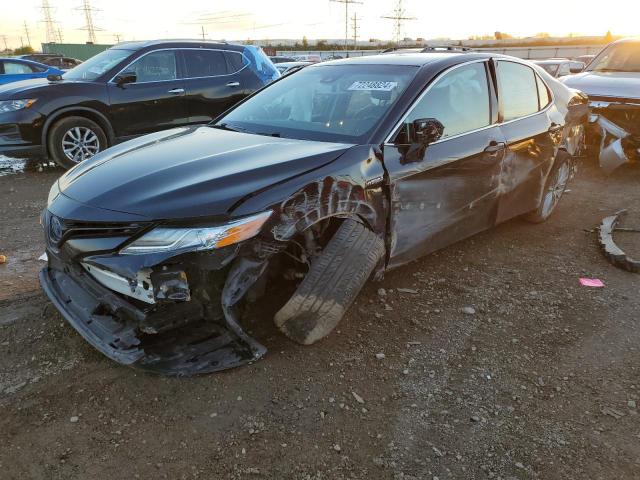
[
  {"x": 13, "y": 68},
  {"x": 543, "y": 93},
  {"x": 205, "y": 63},
  {"x": 235, "y": 60},
  {"x": 517, "y": 89}
]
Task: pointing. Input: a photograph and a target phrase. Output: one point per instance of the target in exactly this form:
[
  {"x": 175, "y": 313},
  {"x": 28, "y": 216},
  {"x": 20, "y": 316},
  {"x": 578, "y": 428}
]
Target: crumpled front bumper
[
  {"x": 617, "y": 144},
  {"x": 112, "y": 324}
]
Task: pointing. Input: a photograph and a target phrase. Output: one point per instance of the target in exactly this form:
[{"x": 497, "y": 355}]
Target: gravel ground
[{"x": 484, "y": 360}]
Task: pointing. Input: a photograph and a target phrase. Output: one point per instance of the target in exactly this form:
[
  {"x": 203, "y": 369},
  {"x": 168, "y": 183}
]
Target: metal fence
[{"x": 533, "y": 53}]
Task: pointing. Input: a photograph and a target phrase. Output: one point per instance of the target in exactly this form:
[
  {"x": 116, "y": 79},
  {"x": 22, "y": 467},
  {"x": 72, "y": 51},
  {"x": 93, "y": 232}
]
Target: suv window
[
  {"x": 235, "y": 60},
  {"x": 459, "y": 100},
  {"x": 543, "y": 93},
  {"x": 12, "y": 68},
  {"x": 155, "y": 67},
  {"x": 518, "y": 90},
  {"x": 205, "y": 63}
]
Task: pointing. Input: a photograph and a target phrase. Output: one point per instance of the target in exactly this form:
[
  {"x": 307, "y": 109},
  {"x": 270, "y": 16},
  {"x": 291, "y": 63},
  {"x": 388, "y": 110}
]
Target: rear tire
[
  {"x": 334, "y": 280},
  {"x": 554, "y": 188},
  {"x": 75, "y": 139}
]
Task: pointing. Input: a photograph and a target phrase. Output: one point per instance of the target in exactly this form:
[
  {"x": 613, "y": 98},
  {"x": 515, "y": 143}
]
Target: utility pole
[
  {"x": 399, "y": 17},
  {"x": 26, "y": 31},
  {"x": 49, "y": 24},
  {"x": 4, "y": 39},
  {"x": 355, "y": 30},
  {"x": 88, "y": 15},
  {"x": 202, "y": 28},
  {"x": 117, "y": 36},
  {"x": 346, "y": 19}
]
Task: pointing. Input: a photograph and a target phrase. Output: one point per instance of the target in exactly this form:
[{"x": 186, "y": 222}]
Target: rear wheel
[
  {"x": 553, "y": 190},
  {"x": 332, "y": 283},
  {"x": 75, "y": 139}
]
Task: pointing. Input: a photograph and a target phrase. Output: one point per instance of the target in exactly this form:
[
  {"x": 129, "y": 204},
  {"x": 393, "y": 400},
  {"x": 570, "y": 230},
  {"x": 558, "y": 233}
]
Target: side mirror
[
  {"x": 576, "y": 69},
  {"x": 126, "y": 77},
  {"x": 427, "y": 130}
]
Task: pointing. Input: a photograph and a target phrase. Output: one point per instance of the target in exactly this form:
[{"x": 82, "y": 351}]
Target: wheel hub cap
[{"x": 80, "y": 143}]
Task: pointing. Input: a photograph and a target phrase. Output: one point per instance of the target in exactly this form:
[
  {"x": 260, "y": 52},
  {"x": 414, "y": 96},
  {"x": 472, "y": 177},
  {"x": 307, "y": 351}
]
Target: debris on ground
[
  {"x": 612, "y": 251},
  {"x": 591, "y": 282}
]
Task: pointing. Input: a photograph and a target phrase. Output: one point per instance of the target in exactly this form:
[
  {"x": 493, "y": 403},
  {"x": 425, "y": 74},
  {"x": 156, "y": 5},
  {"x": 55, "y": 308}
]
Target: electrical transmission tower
[
  {"x": 399, "y": 17},
  {"x": 88, "y": 15},
  {"x": 51, "y": 35},
  {"x": 355, "y": 27},
  {"x": 346, "y": 19},
  {"x": 26, "y": 31},
  {"x": 4, "y": 38}
]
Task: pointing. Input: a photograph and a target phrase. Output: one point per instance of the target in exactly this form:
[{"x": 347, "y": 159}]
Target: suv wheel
[{"x": 75, "y": 139}]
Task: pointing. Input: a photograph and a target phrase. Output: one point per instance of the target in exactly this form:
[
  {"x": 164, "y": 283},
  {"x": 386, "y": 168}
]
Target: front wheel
[
  {"x": 75, "y": 139},
  {"x": 553, "y": 190}
]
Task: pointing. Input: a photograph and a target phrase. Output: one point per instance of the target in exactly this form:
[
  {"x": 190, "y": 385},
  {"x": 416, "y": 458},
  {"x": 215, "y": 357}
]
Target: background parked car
[
  {"x": 612, "y": 82},
  {"x": 586, "y": 59},
  {"x": 16, "y": 69},
  {"x": 53, "y": 59},
  {"x": 288, "y": 67},
  {"x": 559, "y": 67},
  {"x": 281, "y": 59},
  {"x": 130, "y": 89}
]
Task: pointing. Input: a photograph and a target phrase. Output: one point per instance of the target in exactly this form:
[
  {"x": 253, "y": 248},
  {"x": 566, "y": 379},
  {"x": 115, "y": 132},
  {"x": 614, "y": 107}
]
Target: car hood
[
  {"x": 191, "y": 172},
  {"x": 606, "y": 84},
  {"x": 30, "y": 88}
]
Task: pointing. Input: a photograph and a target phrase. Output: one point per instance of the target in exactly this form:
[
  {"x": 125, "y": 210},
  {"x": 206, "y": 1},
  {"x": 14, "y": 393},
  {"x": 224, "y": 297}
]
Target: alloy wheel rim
[
  {"x": 555, "y": 189},
  {"x": 80, "y": 143}
]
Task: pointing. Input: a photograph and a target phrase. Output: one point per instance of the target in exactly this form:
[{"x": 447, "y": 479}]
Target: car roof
[
  {"x": 24, "y": 60},
  {"x": 411, "y": 59},
  {"x": 628, "y": 40},
  {"x": 552, "y": 61},
  {"x": 175, "y": 43}
]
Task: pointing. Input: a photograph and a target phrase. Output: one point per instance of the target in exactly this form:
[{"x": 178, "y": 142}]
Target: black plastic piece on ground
[{"x": 614, "y": 253}]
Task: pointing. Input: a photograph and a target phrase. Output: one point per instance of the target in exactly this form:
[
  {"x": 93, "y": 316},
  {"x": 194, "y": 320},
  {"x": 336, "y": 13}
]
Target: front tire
[
  {"x": 553, "y": 189},
  {"x": 75, "y": 139},
  {"x": 332, "y": 284}
]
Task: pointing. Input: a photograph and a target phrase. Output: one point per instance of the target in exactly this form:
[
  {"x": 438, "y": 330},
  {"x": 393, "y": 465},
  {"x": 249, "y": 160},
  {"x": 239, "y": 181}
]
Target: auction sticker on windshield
[{"x": 373, "y": 85}]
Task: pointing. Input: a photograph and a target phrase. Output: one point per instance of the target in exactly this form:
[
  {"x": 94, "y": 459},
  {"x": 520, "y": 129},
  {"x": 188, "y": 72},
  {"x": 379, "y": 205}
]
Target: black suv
[{"x": 130, "y": 89}]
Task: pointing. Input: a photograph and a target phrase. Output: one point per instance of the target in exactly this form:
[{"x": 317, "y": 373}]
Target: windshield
[
  {"x": 620, "y": 57},
  {"x": 551, "y": 68},
  {"x": 97, "y": 65},
  {"x": 331, "y": 103}
]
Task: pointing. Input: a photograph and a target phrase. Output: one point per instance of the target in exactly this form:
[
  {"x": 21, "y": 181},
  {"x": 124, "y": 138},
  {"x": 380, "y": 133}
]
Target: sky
[{"x": 276, "y": 19}]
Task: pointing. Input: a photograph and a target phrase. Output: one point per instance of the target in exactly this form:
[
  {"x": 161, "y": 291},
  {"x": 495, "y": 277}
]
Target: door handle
[
  {"x": 494, "y": 147},
  {"x": 555, "y": 127},
  {"x": 176, "y": 90},
  {"x": 233, "y": 84}
]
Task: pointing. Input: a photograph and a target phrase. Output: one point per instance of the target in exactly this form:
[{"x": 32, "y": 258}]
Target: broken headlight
[{"x": 164, "y": 239}]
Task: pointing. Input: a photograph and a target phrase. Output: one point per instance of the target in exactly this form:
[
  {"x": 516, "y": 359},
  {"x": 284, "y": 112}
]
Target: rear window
[
  {"x": 543, "y": 93},
  {"x": 517, "y": 89},
  {"x": 235, "y": 60},
  {"x": 205, "y": 63}
]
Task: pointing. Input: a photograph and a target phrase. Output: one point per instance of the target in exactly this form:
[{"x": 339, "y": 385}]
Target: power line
[
  {"x": 50, "y": 26},
  {"x": 399, "y": 17},
  {"x": 346, "y": 19},
  {"x": 26, "y": 31}
]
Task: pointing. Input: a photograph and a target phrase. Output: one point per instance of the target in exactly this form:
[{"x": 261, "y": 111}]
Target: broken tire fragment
[
  {"x": 614, "y": 253},
  {"x": 331, "y": 285}
]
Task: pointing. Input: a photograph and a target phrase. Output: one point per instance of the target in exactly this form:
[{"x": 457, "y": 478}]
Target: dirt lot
[{"x": 542, "y": 381}]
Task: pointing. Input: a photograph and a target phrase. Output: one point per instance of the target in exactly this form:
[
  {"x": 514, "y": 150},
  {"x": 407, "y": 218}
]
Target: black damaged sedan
[{"x": 343, "y": 170}]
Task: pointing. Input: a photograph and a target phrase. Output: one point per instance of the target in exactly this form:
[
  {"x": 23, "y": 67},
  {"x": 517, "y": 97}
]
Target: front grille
[{"x": 71, "y": 229}]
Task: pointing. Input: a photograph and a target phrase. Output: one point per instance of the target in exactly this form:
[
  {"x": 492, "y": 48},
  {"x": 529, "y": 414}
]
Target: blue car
[{"x": 16, "y": 69}]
